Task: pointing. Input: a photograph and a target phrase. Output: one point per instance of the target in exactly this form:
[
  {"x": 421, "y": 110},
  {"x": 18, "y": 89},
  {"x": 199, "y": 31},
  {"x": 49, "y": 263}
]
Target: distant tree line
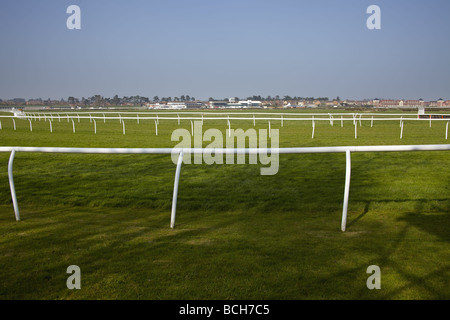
[
  {"x": 98, "y": 100},
  {"x": 101, "y": 101}
]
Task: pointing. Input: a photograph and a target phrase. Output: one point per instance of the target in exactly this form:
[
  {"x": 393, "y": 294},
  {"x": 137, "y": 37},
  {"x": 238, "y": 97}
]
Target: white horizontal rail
[
  {"x": 354, "y": 117},
  {"x": 179, "y": 111},
  {"x": 380, "y": 148},
  {"x": 181, "y": 151},
  {"x": 287, "y": 117}
]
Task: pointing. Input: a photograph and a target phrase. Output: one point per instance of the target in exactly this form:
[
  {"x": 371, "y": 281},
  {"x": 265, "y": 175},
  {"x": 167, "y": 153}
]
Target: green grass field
[{"x": 238, "y": 235}]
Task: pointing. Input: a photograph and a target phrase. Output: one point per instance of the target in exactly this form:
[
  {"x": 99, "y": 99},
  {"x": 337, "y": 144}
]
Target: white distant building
[
  {"x": 235, "y": 105},
  {"x": 156, "y": 105},
  {"x": 168, "y": 105},
  {"x": 176, "y": 105},
  {"x": 249, "y": 104}
]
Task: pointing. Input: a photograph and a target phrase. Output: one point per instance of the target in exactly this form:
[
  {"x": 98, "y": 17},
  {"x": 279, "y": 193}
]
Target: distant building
[
  {"x": 194, "y": 104},
  {"x": 34, "y": 102},
  {"x": 377, "y": 103},
  {"x": 176, "y": 105},
  {"x": 218, "y": 104},
  {"x": 250, "y": 104},
  {"x": 158, "y": 105},
  {"x": 409, "y": 103},
  {"x": 235, "y": 105},
  {"x": 18, "y": 100},
  {"x": 413, "y": 103}
]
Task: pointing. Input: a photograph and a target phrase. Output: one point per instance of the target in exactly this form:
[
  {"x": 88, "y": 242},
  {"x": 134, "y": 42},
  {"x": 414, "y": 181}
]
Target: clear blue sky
[{"x": 225, "y": 48}]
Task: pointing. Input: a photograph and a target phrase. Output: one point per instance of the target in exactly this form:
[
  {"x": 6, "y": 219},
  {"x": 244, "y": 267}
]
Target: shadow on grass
[
  {"x": 402, "y": 270},
  {"x": 284, "y": 248},
  {"x": 435, "y": 221},
  {"x": 360, "y": 216},
  {"x": 133, "y": 254},
  {"x": 435, "y": 224}
]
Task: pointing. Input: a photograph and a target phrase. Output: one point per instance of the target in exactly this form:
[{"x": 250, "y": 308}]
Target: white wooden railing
[
  {"x": 184, "y": 151},
  {"x": 203, "y": 116}
]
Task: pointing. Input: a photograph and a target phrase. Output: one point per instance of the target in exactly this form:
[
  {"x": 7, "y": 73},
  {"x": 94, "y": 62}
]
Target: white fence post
[
  {"x": 73, "y": 125},
  {"x": 401, "y": 130},
  {"x": 51, "y": 129},
  {"x": 123, "y": 126},
  {"x": 11, "y": 185},
  {"x": 95, "y": 126},
  {"x": 14, "y": 122},
  {"x": 446, "y": 131},
  {"x": 269, "y": 130},
  {"x": 348, "y": 169},
  {"x": 31, "y": 126},
  {"x": 175, "y": 190},
  {"x": 156, "y": 127}
]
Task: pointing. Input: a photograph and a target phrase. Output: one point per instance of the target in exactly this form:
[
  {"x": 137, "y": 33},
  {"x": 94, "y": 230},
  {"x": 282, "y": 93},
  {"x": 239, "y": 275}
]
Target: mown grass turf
[{"x": 238, "y": 235}]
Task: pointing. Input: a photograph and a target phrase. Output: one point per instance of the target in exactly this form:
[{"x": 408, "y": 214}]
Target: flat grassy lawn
[{"x": 238, "y": 234}]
